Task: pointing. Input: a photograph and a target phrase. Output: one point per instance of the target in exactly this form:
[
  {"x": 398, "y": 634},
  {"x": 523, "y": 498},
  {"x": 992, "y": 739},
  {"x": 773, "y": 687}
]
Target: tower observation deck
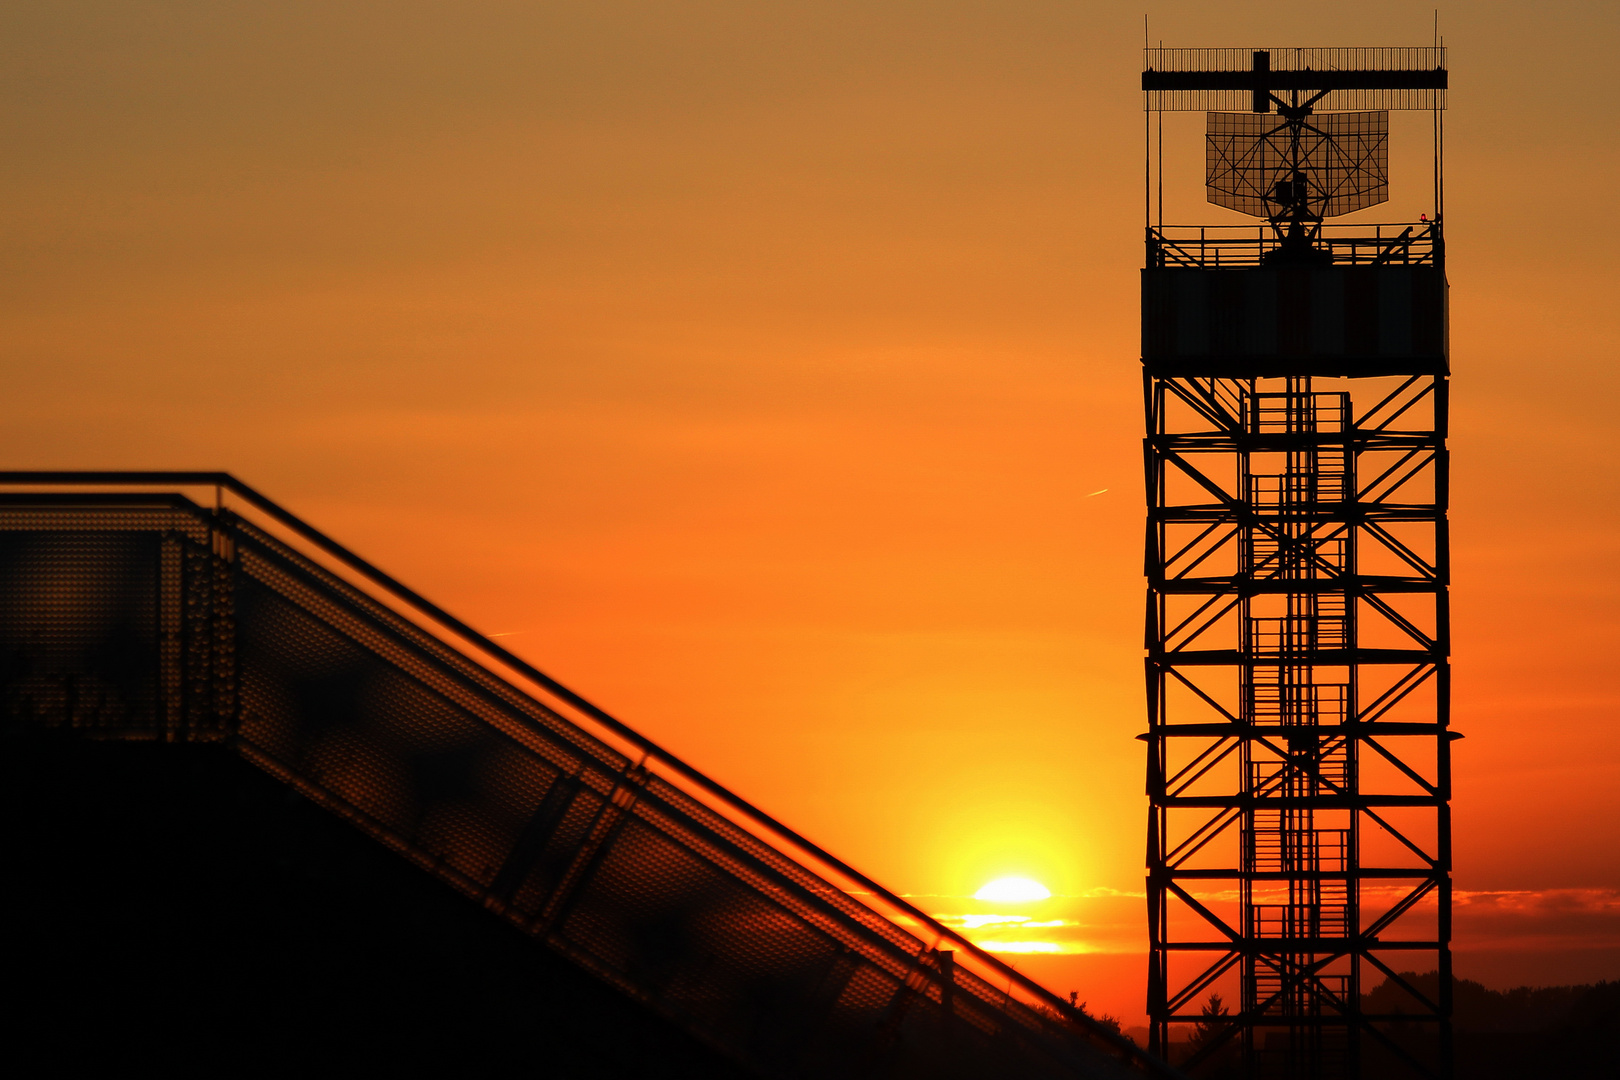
[{"x": 1295, "y": 378}]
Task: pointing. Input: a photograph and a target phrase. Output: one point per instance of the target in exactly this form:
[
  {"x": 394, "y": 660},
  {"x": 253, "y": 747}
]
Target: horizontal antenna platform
[{"x": 1229, "y": 80}]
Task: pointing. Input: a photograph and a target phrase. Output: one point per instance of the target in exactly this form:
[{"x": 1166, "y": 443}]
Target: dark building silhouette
[{"x": 242, "y": 766}]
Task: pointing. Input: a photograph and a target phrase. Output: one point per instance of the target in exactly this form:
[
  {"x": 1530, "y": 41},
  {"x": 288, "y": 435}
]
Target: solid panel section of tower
[{"x": 1295, "y": 372}]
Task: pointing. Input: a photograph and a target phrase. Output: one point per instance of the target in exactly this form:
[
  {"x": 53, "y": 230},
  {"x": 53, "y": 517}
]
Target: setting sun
[{"x": 1013, "y": 890}]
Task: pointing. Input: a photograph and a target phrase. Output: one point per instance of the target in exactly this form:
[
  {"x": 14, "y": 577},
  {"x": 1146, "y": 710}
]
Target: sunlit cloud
[
  {"x": 1027, "y": 947},
  {"x": 998, "y": 932},
  {"x": 1537, "y": 919},
  {"x": 1013, "y": 890},
  {"x": 1085, "y": 922},
  {"x": 974, "y": 922},
  {"x": 1109, "y": 921},
  {"x": 1023, "y": 922},
  {"x": 1600, "y": 900}
]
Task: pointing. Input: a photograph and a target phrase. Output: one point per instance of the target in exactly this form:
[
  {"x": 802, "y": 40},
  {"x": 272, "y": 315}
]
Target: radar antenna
[{"x": 1297, "y": 167}]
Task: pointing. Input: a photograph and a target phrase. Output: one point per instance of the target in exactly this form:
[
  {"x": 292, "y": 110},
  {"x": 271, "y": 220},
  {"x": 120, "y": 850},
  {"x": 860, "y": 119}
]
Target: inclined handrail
[{"x": 651, "y": 749}]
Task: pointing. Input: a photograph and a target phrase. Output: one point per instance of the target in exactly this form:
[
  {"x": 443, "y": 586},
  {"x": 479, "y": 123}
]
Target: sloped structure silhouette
[
  {"x": 184, "y": 608},
  {"x": 169, "y": 908}
]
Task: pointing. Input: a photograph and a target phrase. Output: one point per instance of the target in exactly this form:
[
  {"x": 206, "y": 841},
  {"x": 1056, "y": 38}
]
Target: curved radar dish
[{"x": 1319, "y": 166}]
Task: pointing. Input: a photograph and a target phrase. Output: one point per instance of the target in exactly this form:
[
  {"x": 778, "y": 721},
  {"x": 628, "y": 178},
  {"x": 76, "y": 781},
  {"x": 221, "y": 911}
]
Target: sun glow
[
  {"x": 1023, "y": 947},
  {"x": 1013, "y": 890},
  {"x": 979, "y": 922}
]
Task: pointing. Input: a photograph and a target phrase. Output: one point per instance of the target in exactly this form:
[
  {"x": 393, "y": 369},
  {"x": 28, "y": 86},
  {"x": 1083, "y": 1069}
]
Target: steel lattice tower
[{"x": 1295, "y": 380}]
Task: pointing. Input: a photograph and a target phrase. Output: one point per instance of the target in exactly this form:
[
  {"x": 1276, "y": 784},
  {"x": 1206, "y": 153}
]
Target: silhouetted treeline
[
  {"x": 1567, "y": 1032},
  {"x": 1527, "y": 1033}
]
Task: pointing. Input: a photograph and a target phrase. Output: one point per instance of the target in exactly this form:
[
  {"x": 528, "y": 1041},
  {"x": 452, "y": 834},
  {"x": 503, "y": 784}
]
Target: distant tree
[
  {"x": 1213, "y": 1024},
  {"x": 1215, "y": 1021},
  {"x": 1109, "y": 1022}
]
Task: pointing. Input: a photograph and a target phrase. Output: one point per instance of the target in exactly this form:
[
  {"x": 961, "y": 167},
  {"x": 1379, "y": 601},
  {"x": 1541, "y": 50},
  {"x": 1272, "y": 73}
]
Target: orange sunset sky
[{"x": 767, "y": 372}]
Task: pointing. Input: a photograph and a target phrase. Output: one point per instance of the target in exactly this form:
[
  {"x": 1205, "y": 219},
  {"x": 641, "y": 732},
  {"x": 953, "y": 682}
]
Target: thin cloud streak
[{"x": 1108, "y": 920}]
